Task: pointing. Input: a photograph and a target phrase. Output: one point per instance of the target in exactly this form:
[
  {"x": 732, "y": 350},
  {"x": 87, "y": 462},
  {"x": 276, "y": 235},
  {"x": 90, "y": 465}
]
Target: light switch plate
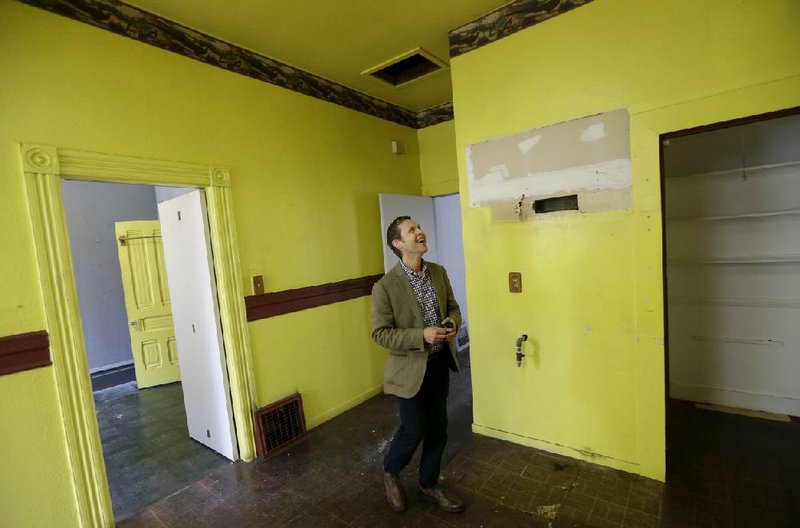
[
  {"x": 515, "y": 282},
  {"x": 258, "y": 284}
]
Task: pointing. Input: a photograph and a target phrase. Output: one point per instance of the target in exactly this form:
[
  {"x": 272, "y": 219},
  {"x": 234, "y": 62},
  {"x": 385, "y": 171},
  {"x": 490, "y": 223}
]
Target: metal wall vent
[
  {"x": 405, "y": 68},
  {"x": 279, "y": 425},
  {"x": 559, "y": 203}
]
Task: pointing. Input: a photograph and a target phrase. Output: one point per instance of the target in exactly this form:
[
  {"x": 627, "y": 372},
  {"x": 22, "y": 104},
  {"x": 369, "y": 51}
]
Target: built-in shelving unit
[
  {"x": 761, "y": 214},
  {"x": 751, "y": 170},
  {"x": 749, "y": 302},
  {"x": 756, "y": 259},
  {"x": 732, "y": 249}
]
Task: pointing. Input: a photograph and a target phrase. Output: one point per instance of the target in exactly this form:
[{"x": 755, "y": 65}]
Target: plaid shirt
[{"x": 426, "y": 298}]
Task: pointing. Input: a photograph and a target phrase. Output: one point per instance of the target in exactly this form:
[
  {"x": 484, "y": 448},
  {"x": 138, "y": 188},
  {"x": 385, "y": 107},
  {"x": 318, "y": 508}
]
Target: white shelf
[
  {"x": 738, "y": 170},
  {"x": 760, "y": 259},
  {"x": 765, "y": 214},
  {"x": 749, "y": 302}
]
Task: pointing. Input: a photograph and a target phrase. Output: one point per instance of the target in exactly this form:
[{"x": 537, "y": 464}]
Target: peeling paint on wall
[{"x": 590, "y": 155}]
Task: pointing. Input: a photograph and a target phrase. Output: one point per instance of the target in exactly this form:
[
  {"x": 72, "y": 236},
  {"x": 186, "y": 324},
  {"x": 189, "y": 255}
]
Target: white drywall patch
[
  {"x": 590, "y": 155},
  {"x": 527, "y": 144},
  {"x": 496, "y": 175},
  {"x": 594, "y": 132}
]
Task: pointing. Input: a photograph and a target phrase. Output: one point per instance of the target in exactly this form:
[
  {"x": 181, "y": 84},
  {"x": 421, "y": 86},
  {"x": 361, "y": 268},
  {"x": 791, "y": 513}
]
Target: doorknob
[{"x": 134, "y": 325}]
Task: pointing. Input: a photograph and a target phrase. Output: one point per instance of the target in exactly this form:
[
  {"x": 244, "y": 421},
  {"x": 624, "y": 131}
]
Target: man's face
[{"x": 413, "y": 240}]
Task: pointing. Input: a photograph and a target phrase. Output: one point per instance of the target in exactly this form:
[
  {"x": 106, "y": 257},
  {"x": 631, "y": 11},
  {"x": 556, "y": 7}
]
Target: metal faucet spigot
[{"x": 520, "y": 355}]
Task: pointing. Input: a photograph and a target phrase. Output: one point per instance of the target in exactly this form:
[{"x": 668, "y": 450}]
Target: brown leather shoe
[
  {"x": 395, "y": 494},
  {"x": 446, "y": 500}
]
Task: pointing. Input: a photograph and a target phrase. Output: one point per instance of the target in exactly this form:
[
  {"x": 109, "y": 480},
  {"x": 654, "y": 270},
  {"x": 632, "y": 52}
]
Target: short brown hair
[{"x": 393, "y": 233}]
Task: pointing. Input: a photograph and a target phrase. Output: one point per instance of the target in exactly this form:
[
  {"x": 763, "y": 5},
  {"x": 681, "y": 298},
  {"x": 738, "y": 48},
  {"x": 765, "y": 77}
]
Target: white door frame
[{"x": 44, "y": 166}]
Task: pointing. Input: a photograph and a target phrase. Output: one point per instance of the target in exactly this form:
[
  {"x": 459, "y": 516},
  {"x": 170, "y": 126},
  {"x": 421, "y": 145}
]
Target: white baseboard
[
  {"x": 732, "y": 398},
  {"x": 111, "y": 367}
]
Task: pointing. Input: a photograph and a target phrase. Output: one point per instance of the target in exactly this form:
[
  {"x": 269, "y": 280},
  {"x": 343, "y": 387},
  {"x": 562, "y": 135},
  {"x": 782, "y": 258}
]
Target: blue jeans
[{"x": 423, "y": 418}]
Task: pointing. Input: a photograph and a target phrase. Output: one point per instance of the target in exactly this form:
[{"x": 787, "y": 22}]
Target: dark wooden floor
[
  {"x": 146, "y": 445},
  {"x": 725, "y": 471}
]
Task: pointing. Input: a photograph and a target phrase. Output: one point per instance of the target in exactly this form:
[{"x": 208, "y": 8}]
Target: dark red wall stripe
[
  {"x": 32, "y": 350},
  {"x": 287, "y": 301},
  {"x": 24, "y": 352}
]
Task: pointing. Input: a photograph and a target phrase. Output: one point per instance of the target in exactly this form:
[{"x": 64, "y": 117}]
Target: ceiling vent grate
[
  {"x": 279, "y": 425},
  {"x": 405, "y": 68}
]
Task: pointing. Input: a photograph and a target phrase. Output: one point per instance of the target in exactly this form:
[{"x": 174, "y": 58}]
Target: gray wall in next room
[
  {"x": 168, "y": 193},
  {"x": 92, "y": 209}
]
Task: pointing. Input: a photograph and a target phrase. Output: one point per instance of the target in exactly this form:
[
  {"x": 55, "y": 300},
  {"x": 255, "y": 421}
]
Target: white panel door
[
  {"x": 192, "y": 287},
  {"x": 451, "y": 255},
  {"x": 147, "y": 303},
  {"x": 420, "y": 208},
  {"x": 451, "y": 246}
]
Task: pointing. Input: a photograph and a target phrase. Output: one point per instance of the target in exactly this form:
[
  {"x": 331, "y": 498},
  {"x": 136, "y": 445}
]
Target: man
[{"x": 414, "y": 315}]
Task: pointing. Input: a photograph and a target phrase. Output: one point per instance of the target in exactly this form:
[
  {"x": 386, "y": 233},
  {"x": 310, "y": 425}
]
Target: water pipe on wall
[{"x": 520, "y": 355}]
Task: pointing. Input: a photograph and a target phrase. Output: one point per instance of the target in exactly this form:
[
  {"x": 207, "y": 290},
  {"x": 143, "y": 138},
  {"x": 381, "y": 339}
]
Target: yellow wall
[
  {"x": 305, "y": 174},
  {"x": 437, "y": 159},
  {"x": 37, "y": 489},
  {"x": 592, "y": 385}
]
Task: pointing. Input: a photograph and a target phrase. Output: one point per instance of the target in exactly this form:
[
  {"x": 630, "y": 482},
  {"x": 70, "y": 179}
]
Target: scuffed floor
[
  {"x": 725, "y": 471},
  {"x": 146, "y": 445}
]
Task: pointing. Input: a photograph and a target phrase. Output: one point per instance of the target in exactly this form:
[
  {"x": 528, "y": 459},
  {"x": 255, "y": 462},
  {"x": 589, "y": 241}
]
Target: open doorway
[
  {"x": 732, "y": 270},
  {"x": 44, "y": 167},
  {"x": 143, "y": 394},
  {"x": 440, "y": 217}
]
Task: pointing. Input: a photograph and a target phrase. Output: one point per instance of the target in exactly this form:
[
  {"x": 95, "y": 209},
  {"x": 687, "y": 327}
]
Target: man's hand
[
  {"x": 435, "y": 334},
  {"x": 449, "y": 328}
]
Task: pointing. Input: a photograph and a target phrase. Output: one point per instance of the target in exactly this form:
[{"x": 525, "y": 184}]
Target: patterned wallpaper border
[
  {"x": 135, "y": 23},
  {"x": 505, "y": 21},
  {"x": 435, "y": 115}
]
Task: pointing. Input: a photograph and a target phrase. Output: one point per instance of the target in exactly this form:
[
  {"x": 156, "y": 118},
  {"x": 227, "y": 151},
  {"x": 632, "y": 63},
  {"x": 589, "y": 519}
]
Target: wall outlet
[{"x": 515, "y": 282}]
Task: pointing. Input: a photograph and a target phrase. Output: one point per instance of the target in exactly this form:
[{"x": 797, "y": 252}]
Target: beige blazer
[{"x": 397, "y": 324}]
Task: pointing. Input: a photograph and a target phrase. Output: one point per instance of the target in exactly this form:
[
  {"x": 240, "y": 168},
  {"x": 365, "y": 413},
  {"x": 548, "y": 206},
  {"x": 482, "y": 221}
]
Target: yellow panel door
[{"x": 144, "y": 281}]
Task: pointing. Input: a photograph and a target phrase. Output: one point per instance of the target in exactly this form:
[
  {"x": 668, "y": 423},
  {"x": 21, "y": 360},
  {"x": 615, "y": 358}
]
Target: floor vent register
[{"x": 279, "y": 425}]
